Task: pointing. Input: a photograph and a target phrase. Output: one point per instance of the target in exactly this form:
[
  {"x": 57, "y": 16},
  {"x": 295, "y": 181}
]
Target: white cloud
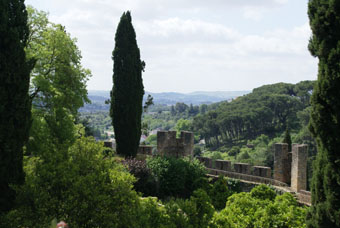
[
  {"x": 253, "y": 13},
  {"x": 188, "y": 45}
]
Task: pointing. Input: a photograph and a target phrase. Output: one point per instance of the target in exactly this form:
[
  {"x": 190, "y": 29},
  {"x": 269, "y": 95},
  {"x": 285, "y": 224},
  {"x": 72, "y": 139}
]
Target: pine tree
[
  {"x": 128, "y": 90},
  {"x": 14, "y": 98},
  {"x": 324, "y": 18}
]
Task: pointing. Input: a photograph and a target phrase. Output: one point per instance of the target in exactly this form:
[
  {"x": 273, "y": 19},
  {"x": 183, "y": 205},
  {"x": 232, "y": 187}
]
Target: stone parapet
[
  {"x": 246, "y": 177},
  {"x": 144, "y": 149},
  {"x": 223, "y": 165},
  {"x": 108, "y": 144},
  {"x": 242, "y": 168},
  {"x": 262, "y": 171}
]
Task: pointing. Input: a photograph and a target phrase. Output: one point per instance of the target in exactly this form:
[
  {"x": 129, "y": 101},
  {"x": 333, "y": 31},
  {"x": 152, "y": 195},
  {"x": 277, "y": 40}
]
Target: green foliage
[
  {"x": 234, "y": 151},
  {"x": 15, "y": 103},
  {"x": 148, "y": 103},
  {"x": 58, "y": 85},
  {"x": 219, "y": 193},
  {"x": 198, "y": 209},
  {"x": 260, "y": 208},
  {"x": 128, "y": 90},
  {"x": 197, "y": 151},
  {"x": 262, "y": 192},
  {"x": 151, "y": 140},
  {"x": 183, "y": 125},
  {"x": 99, "y": 121},
  {"x": 58, "y": 79},
  {"x": 261, "y": 152},
  {"x": 325, "y": 115},
  {"x": 79, "y": 185},
  {"x": 244, "y": 156},
  {"x": 287, "y": 139},
  {"x": 264, "y": 111},
  {"x": 176, "y": 177},
  {"x": 146, "y": 184},
  {"x": 190, "y": 213},
  {"x": 152, "y": 214}
]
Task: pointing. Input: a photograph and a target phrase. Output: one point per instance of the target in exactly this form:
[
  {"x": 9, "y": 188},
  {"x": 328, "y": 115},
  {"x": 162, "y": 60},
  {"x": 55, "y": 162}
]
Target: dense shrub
[
  {"x": 219, "y": 193},
  {"x": 260, "y": 209},
  {"x": 176, "y": 177},
  {"x": 263, "y": 192},
  {"x": 153, "y": 214},
  {"x": 145, "y": 182},
  {"x": 194, "y": 212},
  {"x": 78, "y": 185}
]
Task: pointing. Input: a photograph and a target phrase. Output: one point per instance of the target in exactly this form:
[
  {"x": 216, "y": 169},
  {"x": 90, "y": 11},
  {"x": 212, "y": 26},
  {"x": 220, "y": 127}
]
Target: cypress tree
[
  {"x": 14, "y": 98},
  {"x": 287, "y": 139},
  {"x": 324, "y": 18},
  {"x": 128, "y": 90}
]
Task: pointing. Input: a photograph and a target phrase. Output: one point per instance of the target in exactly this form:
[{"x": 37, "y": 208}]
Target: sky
[{"x": 194, "y": 45}]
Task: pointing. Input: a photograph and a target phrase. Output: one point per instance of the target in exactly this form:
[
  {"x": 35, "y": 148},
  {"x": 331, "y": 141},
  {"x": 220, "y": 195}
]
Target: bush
[
  {"x": 151, "y": 140},
  {"x": 235, "y": 150},
  {"x": 194, "y": 212},
  {"x": 261, "y": 208},
  {"x": 219, "y": 193},
  {"x": 78, "y": 185},
  {"x": 176, "y": 177},
  {"x": 145, "y": 183},
  {"x": 197, "y": 151},
  {"x": 152, "y": 214},
  {"x": 263, "y": 192}
]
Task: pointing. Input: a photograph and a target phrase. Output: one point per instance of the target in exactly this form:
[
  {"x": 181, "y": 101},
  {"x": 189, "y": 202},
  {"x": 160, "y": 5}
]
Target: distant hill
[{"x": 170, "y": 98}]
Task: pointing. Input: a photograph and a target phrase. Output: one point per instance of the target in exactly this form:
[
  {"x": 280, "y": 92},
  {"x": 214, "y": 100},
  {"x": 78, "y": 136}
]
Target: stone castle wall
[
  {"x": 282, "y": 163},
  {"x": 239, "y": 168},
  {"x": 289, "y": 169},
  {"x": 144, "y": 149},
  {"x": 299, "y": 168},
  {"x": 169, "y": 145}
]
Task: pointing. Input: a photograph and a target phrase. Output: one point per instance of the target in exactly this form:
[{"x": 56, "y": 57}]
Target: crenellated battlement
[
  {"x": 290, "y": 169},
  {"x": 169, "y": 145}
]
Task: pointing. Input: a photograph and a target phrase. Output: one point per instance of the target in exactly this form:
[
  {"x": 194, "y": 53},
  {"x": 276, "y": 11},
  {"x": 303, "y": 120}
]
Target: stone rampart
[
  {"x": 262, "y": 171},
  {"x": 290, "y": 169},
  {"x": 169, "y": 145},
  {"x": 223, "y": 165},
  {"x": 281, "y": 163},
  {"x": 242, "y": 168},
  {"x": 145, "y": 150},
  {"x": 299, "y": 168},
  {"x": 246, "y": 177},
  {"x": 109, "y": 144}
]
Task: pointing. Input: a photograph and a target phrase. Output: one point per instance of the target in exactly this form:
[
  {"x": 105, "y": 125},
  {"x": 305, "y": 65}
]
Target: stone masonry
[
  {"x": 169, "y": 145},
  {"x": 290, "y": 169},
  {"x": 144, "y": 149},
  {"x": 262, "y": 171},
  {"x": 281, "y": 163},
  {"x": 242, "y": 168},
  {"x": 299, "y": 168}
]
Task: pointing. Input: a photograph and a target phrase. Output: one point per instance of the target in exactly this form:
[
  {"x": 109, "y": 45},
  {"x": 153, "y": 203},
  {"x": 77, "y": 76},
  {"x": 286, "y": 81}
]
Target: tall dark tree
[
  {"x": 14, "y": 98},
  {"x": 128, "y": 90},
  {"x": 324, "y": 18},
  {"x": 287, "y": 139}
]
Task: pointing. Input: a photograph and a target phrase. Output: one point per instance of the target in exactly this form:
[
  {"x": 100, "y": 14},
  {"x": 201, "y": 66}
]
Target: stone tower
[
  {"x": 299, "y": 168},
  {"x": 169, "y": 145},
  {"x": 282, "y": 163}
]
